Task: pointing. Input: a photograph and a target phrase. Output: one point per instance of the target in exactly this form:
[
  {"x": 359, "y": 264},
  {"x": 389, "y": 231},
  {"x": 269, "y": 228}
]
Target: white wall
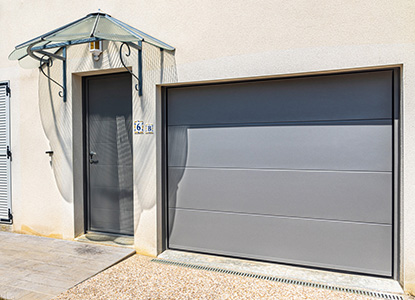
[{"x": 214, "y": 40}]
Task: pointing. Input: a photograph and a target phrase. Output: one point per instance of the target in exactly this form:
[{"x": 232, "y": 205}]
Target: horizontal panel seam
[
  {"x": 281, "y": 216},
  {"x": 282, "y": 170},
  {"x": 313, "y": 122}
]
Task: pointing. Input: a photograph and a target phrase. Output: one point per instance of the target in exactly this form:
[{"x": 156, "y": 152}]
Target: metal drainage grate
[{"x": 282, "y": 280}]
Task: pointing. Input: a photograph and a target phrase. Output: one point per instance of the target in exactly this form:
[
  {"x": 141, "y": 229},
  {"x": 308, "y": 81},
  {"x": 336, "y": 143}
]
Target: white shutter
[{"x": 5, "y": 186}]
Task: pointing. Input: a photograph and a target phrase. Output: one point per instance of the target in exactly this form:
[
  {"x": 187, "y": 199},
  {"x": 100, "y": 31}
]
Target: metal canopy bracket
[
  {"x": 140, "y": 70},
  {"x": 49, "y": 62},
  {"x": 64, "y": 73},
  {"x": 74, "y": 33},
  {"x": 139, "y": 85}
]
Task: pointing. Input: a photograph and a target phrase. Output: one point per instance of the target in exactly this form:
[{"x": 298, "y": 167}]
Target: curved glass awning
[{"x": 93, "y": 27}]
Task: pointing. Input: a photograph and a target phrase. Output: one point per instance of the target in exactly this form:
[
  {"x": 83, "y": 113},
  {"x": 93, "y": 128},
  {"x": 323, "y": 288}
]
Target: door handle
[{"x": 91, "y": 156}]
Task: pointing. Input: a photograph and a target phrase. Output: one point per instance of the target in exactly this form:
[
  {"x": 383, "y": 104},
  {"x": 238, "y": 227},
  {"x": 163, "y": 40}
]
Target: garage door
[{"x": 295, "y": 171}]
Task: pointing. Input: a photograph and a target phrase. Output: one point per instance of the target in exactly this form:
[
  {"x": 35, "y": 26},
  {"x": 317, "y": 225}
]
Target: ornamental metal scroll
[
  {"x": 139, "y": 85},
  {"x": 49, "y": 63}
]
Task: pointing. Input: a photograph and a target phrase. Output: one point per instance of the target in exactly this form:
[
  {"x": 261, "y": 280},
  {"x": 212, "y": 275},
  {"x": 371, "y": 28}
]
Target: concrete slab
[
  {"x": 284, "y": 271},
  {"x": 33, "y": 267}
]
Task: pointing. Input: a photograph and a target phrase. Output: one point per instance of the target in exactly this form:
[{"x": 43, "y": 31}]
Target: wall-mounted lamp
[{"x": 96, "y": 49}]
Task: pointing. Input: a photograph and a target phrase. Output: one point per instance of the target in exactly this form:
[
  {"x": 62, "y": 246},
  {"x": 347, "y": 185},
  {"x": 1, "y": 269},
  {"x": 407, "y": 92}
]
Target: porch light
[{"x": 96, "y": 49}]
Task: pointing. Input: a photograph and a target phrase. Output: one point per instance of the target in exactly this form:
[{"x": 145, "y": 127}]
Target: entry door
[{"x": 109, "y": 154}]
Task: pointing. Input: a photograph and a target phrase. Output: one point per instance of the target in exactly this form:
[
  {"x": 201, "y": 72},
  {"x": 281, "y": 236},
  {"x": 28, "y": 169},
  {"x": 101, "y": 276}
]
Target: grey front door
[{"x": 109, "y": 154}]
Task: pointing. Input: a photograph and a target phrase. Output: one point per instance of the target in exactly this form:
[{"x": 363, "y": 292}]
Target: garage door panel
[
  {"x": 331, "y": 147},
  {"x": 296, "y": 170},
  {"x": 333, "y": 97},
  {"x": 285, "y": 193},
  {"x": 347, "y": 246}
]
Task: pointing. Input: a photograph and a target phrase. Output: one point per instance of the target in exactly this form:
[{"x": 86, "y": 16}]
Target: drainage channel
[{"x": 282, "y": 280}]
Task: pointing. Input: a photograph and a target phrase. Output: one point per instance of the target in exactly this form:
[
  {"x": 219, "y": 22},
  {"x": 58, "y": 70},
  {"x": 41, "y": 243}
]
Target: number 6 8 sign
[{"x": 140, "y": 128}]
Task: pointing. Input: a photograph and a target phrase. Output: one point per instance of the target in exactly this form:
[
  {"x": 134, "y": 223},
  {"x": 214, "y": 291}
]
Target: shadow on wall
[
  {"x": 56, "y": 119},
  {"x": 56, "y": 115},
  {"x": 159, "y": 66}
]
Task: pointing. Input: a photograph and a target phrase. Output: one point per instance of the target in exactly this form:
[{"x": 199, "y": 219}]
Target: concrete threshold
[
  {"x": 343, "y": 280},
  {"x": 107, "y": 240}
]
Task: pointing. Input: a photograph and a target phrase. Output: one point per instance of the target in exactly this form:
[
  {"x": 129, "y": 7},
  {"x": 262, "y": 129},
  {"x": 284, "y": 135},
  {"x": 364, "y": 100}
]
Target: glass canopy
[{"x": 95, "y": 26}]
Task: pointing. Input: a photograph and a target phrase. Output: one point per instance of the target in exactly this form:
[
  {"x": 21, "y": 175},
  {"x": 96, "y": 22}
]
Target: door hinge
[
  {"x": 8, "y": 91},
  {"x": 10, "y": 215},
  {"x": 9, "y": 153}
]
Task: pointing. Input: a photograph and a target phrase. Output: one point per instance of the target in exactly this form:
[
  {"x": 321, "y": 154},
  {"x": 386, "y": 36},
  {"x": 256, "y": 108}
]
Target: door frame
[
  {"x": 85, "y": 146},
  {"x": 396, "y": 97}
]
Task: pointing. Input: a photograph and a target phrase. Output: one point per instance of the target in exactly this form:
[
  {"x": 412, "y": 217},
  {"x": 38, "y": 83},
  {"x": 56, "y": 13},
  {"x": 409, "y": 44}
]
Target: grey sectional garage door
[{"x": 292, "y": 170}]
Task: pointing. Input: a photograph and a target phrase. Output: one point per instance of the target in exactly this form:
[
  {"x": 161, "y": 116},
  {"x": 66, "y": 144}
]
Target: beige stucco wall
[{"x": 214, "y": 40}]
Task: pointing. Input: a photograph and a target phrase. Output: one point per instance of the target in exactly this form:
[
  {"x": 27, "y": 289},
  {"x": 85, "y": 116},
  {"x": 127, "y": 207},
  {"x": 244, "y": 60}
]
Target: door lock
[{"x": 91, "y": 156}]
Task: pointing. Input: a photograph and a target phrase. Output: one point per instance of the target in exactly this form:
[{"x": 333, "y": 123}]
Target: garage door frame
[{"x": 162, "y": 208}]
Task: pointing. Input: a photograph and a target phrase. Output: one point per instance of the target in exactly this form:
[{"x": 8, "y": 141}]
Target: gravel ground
[{"x": 139, "y": 278}]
